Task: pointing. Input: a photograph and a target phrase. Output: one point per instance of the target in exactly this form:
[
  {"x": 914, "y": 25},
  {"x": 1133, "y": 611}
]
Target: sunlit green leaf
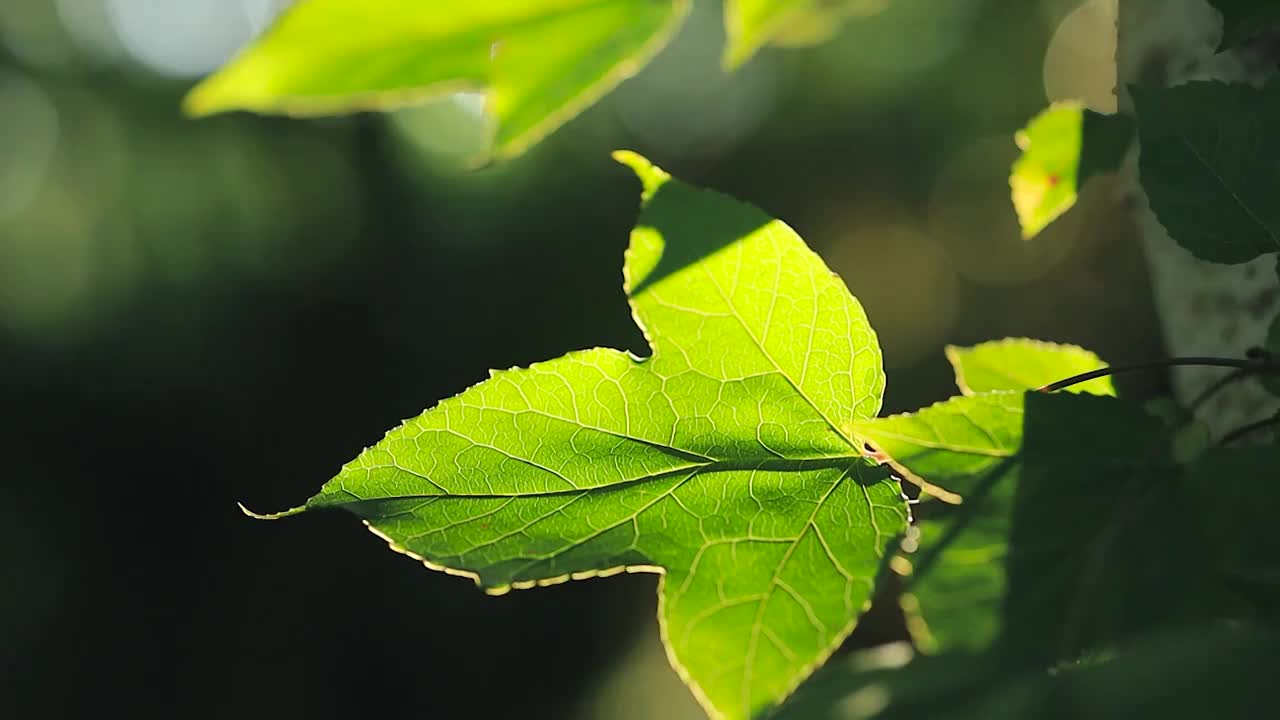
[
  {"x": 540, "y": 62},
  {"x": 1023, "y": 364},
  {"x": 723, "y": 461},
  {"x": 1062, "y": 147},
  {"x": 1243, "y": 20},
  {"x": 1208, "y": 165}
]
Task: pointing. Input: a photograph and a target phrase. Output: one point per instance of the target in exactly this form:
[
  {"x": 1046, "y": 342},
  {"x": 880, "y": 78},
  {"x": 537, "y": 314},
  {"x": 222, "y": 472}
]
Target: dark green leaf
[
  {"x": 1243, "y": 20},
  {"x": 1069, "y": 535},
  {"x": 722, "y": 462},
  {"x": 1191, "y": 674},
  {"x": 1210, "y": 165},
  {"x": 1239, "y": 525},
  {"x": 1272, "y": 382}
]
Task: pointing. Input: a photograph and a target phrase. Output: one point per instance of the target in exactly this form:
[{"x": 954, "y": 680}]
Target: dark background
[{"x": 195, "y": 313}]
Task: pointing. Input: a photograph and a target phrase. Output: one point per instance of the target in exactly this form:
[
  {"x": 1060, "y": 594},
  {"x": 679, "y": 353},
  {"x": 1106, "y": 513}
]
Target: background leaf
[
  {"x": 1024, "y": 364},
  {"x": 752, "y": 24},
  {"x": 1190, "y": 674},
  {"x": 1208, "y": 165},
  {"x": 540, "y": 62},
  {"x": 720, "y": 461},
  {"x": 1062, "y": 147},
  {"x": 1238, "y": 526},
  {"x": 1271, "y": 382},
  {"x": 1243, "y": 20}
]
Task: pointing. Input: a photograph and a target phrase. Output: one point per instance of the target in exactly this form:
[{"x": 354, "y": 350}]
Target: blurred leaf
[
  {"x": 720, "y": 461},
  {"x": 1243, "y": 20},
  {"x": 1024, "y": 364},
  {"x": 1239, "y": 526},
  {"x": 1208, "y": 166},
  {"x": 1195, "y": 673},
  {"x": 1062, "y": 147},
  {"x": 879, "y": 683},
  {"x": 1272, "y": 382},
  {"x": 752, "y": 24},
  {"x": 541, "y": 62}
]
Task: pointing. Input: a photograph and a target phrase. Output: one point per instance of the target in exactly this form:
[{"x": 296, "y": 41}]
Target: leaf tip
[
  {"x": 651, "y": 176},
  {"x": 271, "y": 516}
]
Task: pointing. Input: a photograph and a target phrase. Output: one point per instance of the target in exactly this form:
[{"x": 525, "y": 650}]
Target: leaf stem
[
  {"x": 1222, "y": 383},
  {"x": 968, "y": 509},
  {"x": 1258, "y": 364}
]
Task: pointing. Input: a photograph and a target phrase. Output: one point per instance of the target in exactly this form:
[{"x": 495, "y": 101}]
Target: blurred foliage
[{"x": 539, "y": 62}]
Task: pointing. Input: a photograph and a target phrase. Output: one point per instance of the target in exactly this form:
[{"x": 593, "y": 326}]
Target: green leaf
[
  {"x": 1101, "y": 548},
  {"x": 1243, "y": 20},
  {"x": 950, "y": 443},
  {"x": 1062, "y": 147},
  {"x": 1191, "y": 674},
  {"x": 1208, "y": 165},
  {"x": 1239, "y": 525},
  {"x": 752, "y": 24},
  {"x": 722, "y": 461},
  {"x": 966, "y": 444},
  {"x": 1024, "y": 364},
  {"x": 1060, "y": 495},
  {"x": 541, "y": 62}
]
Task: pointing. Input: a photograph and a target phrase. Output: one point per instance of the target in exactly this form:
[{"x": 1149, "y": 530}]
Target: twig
[
  {"x": 1245, "y": 430},
  {"x": 1256, "y": 364}
]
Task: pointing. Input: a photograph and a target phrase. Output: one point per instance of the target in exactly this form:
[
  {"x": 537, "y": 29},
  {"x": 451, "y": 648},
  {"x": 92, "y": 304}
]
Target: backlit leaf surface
[
  {"x": 540, "y": 62},
  {"x": 723, "y": 461}
]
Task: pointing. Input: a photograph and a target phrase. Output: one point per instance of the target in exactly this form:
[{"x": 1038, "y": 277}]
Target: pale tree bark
[{"x": 1204, "y": 308}]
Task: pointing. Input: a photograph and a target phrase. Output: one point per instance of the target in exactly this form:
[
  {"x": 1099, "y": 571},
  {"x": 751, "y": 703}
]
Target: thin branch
[
  {"x": 1260, "y": 364},
  {"x": 1246, "y": 430},
  {"x": 1222, "y": 383}
]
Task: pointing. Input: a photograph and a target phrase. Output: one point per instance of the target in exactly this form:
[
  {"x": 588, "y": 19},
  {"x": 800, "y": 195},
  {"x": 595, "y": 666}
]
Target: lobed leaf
[
  {"x": 721, "y": 461},
  {"x": 540, "y": 62},
  {"x": 1209, "y": 166}
]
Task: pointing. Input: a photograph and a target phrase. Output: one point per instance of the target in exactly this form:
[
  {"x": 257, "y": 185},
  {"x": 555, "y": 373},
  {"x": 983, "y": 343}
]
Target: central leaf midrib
[{"x": 797, "y": 465}]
